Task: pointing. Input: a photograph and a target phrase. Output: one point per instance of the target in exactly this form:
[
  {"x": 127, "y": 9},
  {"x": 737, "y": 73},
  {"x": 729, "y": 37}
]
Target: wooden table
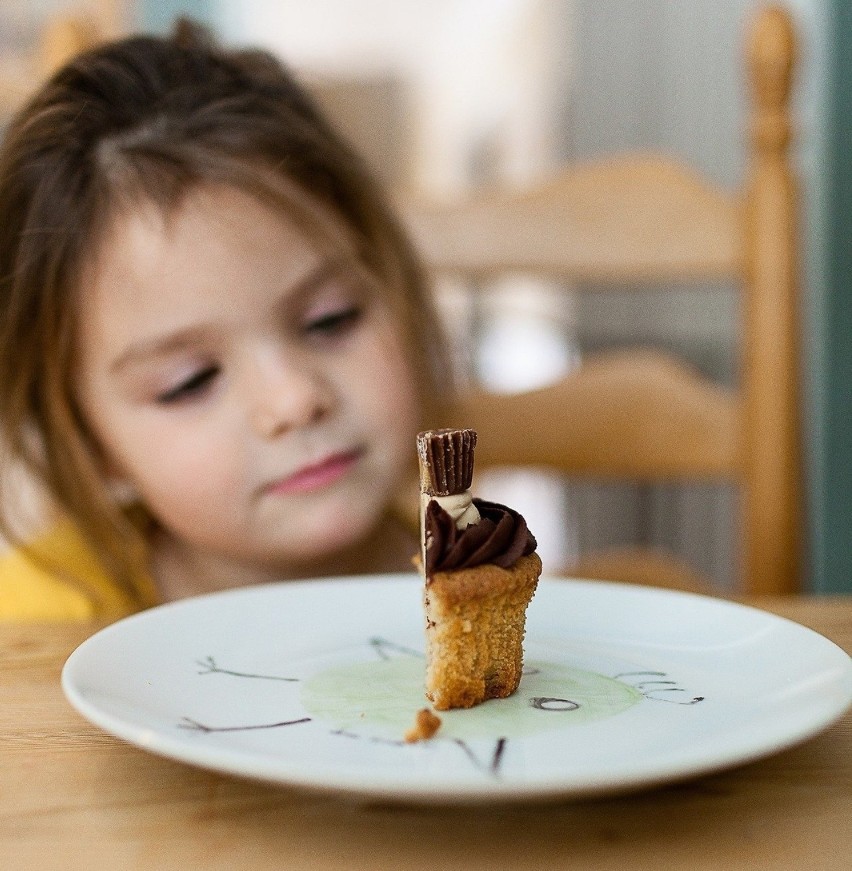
[{"x": 72, "y": 797}]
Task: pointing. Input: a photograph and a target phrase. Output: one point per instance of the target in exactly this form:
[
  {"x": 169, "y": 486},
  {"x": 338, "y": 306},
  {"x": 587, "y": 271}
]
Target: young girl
[{"x": 217, "y": 346}]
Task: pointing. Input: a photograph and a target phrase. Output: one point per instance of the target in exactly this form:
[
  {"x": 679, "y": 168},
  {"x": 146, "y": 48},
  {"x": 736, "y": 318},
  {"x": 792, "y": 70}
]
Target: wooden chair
[
  {"x": 60, "y": 37},
  {"x": 638, "y": 220}
]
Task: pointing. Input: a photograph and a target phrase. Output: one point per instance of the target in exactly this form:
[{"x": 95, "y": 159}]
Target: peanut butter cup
[{"x": 446, "y": 460}]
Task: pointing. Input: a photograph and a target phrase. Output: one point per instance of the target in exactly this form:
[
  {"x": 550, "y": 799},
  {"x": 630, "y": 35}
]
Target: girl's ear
[
  {"x": 123, "y": 492},
  {"x": 121, "y": 489}
]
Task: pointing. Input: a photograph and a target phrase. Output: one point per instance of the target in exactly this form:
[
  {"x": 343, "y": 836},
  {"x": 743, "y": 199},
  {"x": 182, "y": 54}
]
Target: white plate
[{"x": 315, "y": 683}]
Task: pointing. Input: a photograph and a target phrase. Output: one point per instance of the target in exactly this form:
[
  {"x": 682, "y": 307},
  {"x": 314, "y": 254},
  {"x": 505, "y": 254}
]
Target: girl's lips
[{"x": 317, "y": 476}]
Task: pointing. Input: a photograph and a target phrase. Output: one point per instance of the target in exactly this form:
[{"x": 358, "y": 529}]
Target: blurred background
[{"x": 450, "y": 95}]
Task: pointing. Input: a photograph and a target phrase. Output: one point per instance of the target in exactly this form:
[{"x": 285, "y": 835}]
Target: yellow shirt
[{"x": 32, "y": 593}]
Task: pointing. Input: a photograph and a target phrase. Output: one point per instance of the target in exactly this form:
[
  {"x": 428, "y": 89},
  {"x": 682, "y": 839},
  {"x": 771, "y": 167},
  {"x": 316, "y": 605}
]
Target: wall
[{"x": 832, "y": 467}]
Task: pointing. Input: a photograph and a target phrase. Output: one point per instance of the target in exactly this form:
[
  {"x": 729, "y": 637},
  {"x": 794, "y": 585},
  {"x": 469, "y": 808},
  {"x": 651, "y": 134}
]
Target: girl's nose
[{"x": 287, "y": 393}]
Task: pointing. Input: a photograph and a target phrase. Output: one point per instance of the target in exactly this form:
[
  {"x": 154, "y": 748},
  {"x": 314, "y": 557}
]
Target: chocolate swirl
[{"x": 501, "y": 537}]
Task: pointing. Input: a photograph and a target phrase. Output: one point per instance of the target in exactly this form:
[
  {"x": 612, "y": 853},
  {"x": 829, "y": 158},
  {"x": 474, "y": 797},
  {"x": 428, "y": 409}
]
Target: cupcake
[{"x": 480, "y": 572}]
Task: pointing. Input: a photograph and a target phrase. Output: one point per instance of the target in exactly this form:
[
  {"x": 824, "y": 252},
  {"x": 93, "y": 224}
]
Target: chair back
[{"x": 639, "y": 220}]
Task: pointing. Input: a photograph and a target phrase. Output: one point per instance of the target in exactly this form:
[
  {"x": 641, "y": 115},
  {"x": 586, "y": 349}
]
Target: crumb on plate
[{"x": 426, "y": 724}]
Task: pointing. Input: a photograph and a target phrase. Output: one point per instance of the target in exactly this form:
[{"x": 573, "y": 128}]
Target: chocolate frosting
[{"x": 501, "y": 537}]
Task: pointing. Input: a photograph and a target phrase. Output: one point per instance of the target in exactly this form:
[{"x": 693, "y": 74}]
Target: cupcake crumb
[{"x": 426, "y": 724}]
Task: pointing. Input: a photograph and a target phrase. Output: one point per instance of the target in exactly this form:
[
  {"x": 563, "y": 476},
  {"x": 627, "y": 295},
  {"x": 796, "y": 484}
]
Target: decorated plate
[{"x": 315, "y": 684}]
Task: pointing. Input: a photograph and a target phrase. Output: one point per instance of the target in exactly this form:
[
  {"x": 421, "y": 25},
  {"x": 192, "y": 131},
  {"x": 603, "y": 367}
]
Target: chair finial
[
  {"x": 771, "y": 53},
  {"x": 63, "y": 37}
]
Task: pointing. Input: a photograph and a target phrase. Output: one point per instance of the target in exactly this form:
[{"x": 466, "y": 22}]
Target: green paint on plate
[{"x": 380, "y": 698}]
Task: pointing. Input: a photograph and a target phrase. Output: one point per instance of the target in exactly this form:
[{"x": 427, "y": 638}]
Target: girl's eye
[
  {"x": 334, "y": 322},
  {"x": 192, "y": 387}
]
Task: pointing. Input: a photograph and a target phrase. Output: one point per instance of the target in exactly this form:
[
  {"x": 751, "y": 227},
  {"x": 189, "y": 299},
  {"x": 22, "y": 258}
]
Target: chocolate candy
[{"x": 446, "y": 460}]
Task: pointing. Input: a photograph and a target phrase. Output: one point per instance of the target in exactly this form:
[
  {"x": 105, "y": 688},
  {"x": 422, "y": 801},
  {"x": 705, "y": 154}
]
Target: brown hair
[{"x": 150, "y": 118}]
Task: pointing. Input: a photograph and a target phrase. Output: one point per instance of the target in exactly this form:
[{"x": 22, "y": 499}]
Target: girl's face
[{"x": 251, "y": 385}]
